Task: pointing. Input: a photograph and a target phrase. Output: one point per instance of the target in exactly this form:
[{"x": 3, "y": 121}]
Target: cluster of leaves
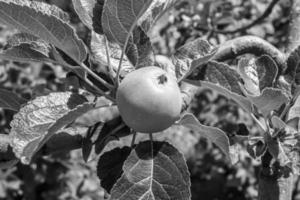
[{"x": 120, "y": 43}]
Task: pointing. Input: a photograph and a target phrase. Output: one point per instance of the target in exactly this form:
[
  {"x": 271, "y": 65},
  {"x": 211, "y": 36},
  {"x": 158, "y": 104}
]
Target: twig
[
  {"x": 88, "y": 70},
  {"x": 266, "y": 13},
  {"x": 133, "y": 138},
  {"x": 110, "y": 70}
]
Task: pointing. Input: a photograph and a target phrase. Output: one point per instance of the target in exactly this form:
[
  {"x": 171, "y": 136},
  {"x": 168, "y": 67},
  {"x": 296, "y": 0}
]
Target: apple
[{"x": 149, "y": 100}]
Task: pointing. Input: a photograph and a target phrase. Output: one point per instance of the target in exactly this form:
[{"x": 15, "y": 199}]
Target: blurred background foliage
[{"x": 65, "y": 176}]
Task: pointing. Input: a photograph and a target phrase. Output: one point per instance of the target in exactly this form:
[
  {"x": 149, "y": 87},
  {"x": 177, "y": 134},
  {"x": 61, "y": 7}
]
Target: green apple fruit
[{"x": 149, "y": 100}]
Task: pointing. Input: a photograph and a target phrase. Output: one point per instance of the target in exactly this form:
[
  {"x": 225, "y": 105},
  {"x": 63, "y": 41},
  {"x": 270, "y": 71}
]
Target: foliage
[{"x": 64, "y": 99}]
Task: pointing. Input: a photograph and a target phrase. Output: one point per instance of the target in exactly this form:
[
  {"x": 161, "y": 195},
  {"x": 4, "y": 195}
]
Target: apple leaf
[
  {"x": 24, "y": 47},
  {"x": 120, "y": 17},
  {"x": 153, "y": 171},
  {"x": 155, "y": 10},
  {"x": 84, "y": 9},
  {"x": 41, "y": 118},
  {"x": 90, "y": 13},
  {"x": 277, "y": 123},
  {"x": 256, "y": 147},
  {"x": 247, "y": 70},
  {"x": 293, "y": 61},
  {"x": 24, "y": 53},
  {"x": 267, "y": 71},
  {"x": 240, "y": 100},
  {"x": 270, "y": 99},
  {"x": 120, "y": 25},
  {"x": 295, "y": 109},
  {"x": 10, "y": 100},
  {"x": 140, "y": 51},
  {"x": 98, "y": 50},
  {"x": 45, "y": 22},
  {"x": 89, "y": 140},
  {"x": 109, "y": 168},
  {"x": 277, "y": 151},
  {"x": 111, "y": 130},
  {"x": 103, "y": 112},
  {"x": 190, "y": 56},
  {"x": 214, "y": 135},
  {"x": 222, "y": 74},
  {"x": 166, "y": 64}
]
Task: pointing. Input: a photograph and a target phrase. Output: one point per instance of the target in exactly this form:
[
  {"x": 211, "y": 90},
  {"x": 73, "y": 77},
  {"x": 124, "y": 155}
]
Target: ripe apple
[{"x": 149, "y": 100}]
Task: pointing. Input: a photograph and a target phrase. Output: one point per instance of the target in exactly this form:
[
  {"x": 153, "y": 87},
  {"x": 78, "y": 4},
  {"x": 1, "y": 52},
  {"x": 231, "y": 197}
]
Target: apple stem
[
  {"x": 151, "y": 137},
  {"x": 133, "y": 139},
  {"x": 162, "y": 79}
]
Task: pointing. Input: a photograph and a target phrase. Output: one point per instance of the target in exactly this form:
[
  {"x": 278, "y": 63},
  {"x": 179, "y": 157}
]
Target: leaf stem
[
  {"x": 260, "y": 125},
  {"x": 99, "y": 90},
  {"x": 88, "y": 70},
  {"x": 110, "y": 70},
  {"x": 133, "y": 138},
  {"x": 123, "y": 53}
]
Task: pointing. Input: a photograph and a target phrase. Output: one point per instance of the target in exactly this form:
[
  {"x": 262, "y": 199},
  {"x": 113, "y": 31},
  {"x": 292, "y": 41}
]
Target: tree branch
[{"x": 267, "y": 12}]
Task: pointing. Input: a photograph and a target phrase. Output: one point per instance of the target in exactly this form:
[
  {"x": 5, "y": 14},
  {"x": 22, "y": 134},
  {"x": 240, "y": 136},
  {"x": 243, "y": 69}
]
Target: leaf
[
  {"x": 256, "y": 147},
  {"x": 153, "y": 171},
  {"x": 10, "y": 100},
  {"x": 270, "y": 99},
  {"x": 45, "y": 22},
  {"x": 84, "y": 9},
  {"x": 166, "y": 64},
  {"x": 240, "y": 100},
  {"x": 109, "y": 168},
  {"x": 222, "y": 74},
  {"x": 294, "y": 110},
  {"x": 103, "y": 112},
  {"x": 99, "y": 52},
  {"x": 41, "y": 118},
  {"x": 293, "y": 61},
  {"x": 190, "y": 56},
  {"x": 24, "y": 53},
  {"x": 90, "y": 13},
  {"x": 155, "y": 10},
  {"x": 140, "y": 51},
  {"x": 119, "y": 18},
  {"x": 214, "y": 135},
  {"x": 246, "y": 69},
  {"x": 112, "y": 130},
  {"x": 277, "y": 123},
  {"x": 24, "y": 47},
  {"x": 88, "y": 146},
  {"x": 276, "y": 150},
  {"x": 267, "y": 71},
  {"x": 294, "y": 123}
]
